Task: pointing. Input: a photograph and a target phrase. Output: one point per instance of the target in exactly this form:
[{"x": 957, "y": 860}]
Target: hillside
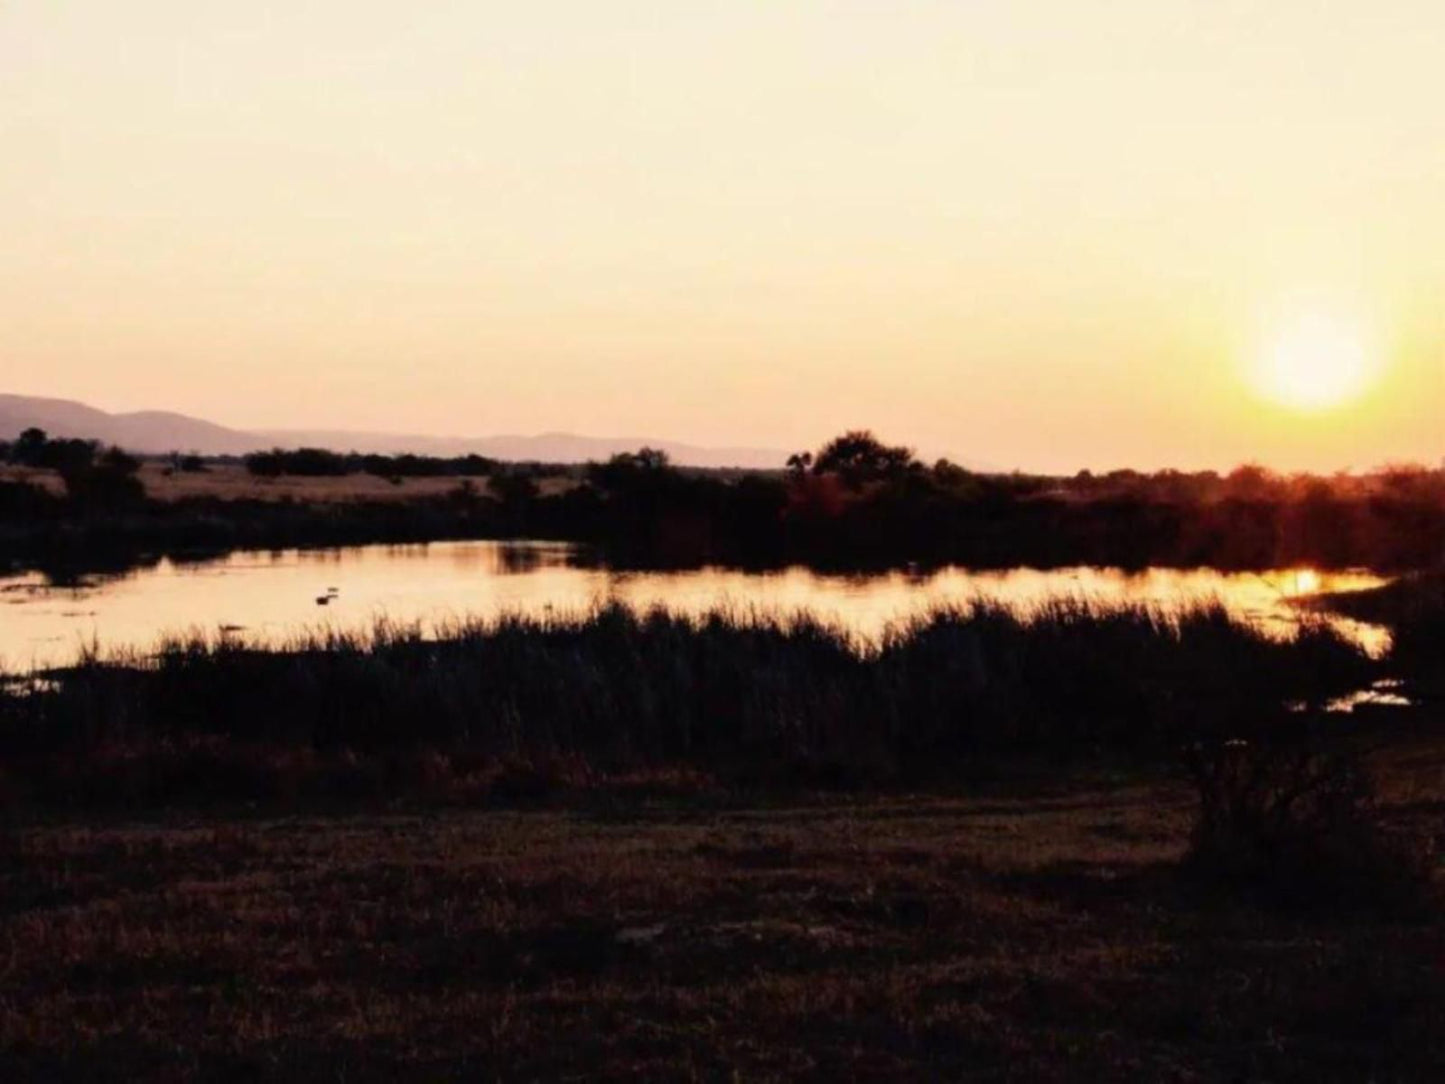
[
  {"x": 141, "y": 431},
  {"x": 165, "y": 431}
]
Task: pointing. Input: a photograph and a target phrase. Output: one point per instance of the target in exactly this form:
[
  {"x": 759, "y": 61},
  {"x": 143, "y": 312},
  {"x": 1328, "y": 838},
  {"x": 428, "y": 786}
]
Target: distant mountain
[
  {"x": 544, "y": 448},
  {"x": 142, "y": 431},
  {"x": 157, "y": 431}
]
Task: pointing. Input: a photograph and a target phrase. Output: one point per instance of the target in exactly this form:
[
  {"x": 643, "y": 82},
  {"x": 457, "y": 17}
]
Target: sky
[{"x": 1040, "y": 234}]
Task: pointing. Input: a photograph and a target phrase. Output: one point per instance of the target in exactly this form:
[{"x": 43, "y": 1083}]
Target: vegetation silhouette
[
  {"x": 857, "y": 503},
  {"x": 1294, "y": 819},
  {"x": 960, "y": 848},
  {"x": 321, "y": 463},
  {"x": 752, "y": 700}
]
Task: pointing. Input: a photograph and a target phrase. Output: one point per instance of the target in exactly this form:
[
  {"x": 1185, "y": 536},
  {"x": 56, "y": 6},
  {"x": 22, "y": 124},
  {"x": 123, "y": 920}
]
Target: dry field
[
  {"x": 234, "y": 482},
  {"x": 47, "y": 480},
  {"x": 1045, "y": 934}
]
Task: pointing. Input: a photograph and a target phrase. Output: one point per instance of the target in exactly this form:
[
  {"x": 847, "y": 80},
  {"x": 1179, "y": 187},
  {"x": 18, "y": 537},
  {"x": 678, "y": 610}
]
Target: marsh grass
[{"x": 740, "y": 697}]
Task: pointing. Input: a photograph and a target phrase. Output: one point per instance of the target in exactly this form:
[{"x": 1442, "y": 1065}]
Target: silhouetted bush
[
  {"x": 320, "y": 463},
  {"x": 35, "y": 448},
  {"x": 859, "y": 503},
  {"x": 107, "y": 484},
  {"x": 99, "y": 489},
  {"x": 1282, "y": 816},
  {"x": 23, "y": 503},
  {"x": 118, "y": 461},
  {"x": 310, "y": 462},
  {"x": 514, "y": 488}
]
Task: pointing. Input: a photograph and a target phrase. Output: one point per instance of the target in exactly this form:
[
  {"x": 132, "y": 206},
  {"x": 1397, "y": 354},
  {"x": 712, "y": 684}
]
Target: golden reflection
[
  {"x": 1306, "y": 582},
  {"x": 268, "y": 598}
]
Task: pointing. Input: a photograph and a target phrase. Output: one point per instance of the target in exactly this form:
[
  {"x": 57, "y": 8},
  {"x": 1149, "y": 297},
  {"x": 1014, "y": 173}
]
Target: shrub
[
  {"x": 119, "y": 461},
  {"x": 103, "y": 487},
  {"x": 21, "y": 502},
  {"x": 1298, "y": 825}
]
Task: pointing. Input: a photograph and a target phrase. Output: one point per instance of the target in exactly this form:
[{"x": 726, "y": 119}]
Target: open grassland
[
  {"x": 1040, "y": 929},
  {"x": 233, "y": 482}
]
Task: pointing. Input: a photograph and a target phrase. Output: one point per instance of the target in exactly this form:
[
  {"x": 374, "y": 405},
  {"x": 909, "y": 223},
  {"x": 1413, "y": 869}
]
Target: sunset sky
[{"x": 1036, "y": 233}]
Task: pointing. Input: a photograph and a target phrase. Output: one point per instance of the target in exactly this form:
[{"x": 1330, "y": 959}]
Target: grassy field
[
  {"x": 231, "y": 481},
  {"x": 1039, "y": 929}
]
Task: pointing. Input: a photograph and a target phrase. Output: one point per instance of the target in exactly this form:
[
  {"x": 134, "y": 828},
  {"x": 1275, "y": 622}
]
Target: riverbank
[
  {"x": 638, "y": 511},
  {"x": 739, "y": 699}
]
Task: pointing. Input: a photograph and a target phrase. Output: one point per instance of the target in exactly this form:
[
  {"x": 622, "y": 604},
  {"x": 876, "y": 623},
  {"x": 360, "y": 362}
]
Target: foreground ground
[{"x": 1041, "y": 932}]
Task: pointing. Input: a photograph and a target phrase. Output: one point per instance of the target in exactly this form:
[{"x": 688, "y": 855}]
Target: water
[{"x": 270, "y": 597}]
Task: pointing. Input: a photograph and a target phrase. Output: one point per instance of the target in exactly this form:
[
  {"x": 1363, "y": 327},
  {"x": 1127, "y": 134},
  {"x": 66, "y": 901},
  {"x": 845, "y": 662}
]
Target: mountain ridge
[{"x": 160, "y": 431}]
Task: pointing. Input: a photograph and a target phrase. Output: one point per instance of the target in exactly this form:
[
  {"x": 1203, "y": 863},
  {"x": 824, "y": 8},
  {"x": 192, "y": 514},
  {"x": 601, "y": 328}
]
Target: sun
[{"x": 1315, "y": 363}]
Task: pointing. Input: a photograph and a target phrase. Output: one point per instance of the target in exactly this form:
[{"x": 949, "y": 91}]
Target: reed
[{"x": 744, "y": 697}]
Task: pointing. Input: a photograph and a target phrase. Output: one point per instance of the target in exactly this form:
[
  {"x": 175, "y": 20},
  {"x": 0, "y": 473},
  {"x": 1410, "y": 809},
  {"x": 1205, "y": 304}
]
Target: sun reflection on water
[{"x": 267, "y": 598}]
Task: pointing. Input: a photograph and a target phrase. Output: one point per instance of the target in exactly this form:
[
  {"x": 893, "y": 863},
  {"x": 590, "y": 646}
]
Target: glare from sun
[{"x": 1315, "y": 363}]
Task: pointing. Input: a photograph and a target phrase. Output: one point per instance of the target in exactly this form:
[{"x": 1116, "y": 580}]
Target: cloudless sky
[{"x": 1037, "y": 233}]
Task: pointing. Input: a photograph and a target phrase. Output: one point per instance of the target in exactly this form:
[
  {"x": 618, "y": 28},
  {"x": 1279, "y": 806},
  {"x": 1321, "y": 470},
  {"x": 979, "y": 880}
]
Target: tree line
[
  {"x": 857, "y": 501},
  {"x": 94, "y": 476},
  {"x": 321, "y": 463}
]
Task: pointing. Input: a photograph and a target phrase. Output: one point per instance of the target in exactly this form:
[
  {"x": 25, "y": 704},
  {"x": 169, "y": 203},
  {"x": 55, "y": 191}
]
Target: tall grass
[{"x": 743, "y": 697}]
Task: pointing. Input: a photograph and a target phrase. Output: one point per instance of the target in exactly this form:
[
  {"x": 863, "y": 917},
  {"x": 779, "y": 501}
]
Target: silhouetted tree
[
  {"x": 120, "y": 461},
  {"x": 266, "y": 464},
  {"x": 513, "y": 488},
  {"x": 34, "y": 448},
  {"x": 30, "y": 447},
  {"x": 858, "y": 457},
  {"x": 105, "y": 484},
  {"x": 1250, "y": 482},
  {"x": 628, "y": 471},
  {"x": 950, "y": 474}
]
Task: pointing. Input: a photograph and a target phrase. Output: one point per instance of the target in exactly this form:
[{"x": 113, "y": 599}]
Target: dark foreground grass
[
  {"x": 230, "y": 864},
  {"x": 1042, "y": 932},
  {"x": 515, "y": 709}
]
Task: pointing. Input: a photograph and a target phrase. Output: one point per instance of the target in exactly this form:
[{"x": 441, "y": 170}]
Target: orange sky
[{"x": 1037, "y": 234}]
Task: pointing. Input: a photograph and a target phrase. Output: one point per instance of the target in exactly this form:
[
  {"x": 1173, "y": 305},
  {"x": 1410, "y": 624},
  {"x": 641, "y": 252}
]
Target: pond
[{"x": 269, "y": 597}]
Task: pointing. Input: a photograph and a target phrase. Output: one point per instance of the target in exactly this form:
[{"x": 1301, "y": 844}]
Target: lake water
[{"x": 269, "y": 597}]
